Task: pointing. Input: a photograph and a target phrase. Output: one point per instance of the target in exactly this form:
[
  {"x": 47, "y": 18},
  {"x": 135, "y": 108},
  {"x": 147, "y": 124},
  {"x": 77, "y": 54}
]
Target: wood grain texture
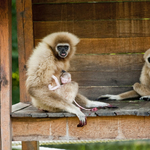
[
  {"x": 106, "y": 70},
  {"x": 6, "y": 81},
  {"x": 111, "y": 45},
  {"x": 143, "y": 110},
  {"x": 127, "y": 107},
  {"x": 93, "y": 63},
  {"x": 93, "y": 92},
  {"x": 119, "y": 127},
  {"x": 94, "y": 28},
  {"x": 25, "y": 41},
  {"x": 30, "y": 145},
  {"x": 81, "y": 1},
  {"x": 114, "y": 78},
  {"x": 19, "y": 106},
  {"x": 89, "y": 11}
]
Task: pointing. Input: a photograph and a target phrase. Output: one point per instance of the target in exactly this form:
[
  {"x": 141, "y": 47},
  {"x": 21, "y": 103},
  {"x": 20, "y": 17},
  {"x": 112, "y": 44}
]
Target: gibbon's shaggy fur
[
  {"x": 46, "y": 60},
  {"x": 139, "y": 89}
]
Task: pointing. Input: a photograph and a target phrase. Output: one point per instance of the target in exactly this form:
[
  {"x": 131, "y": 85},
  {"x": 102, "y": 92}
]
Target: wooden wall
[
  {"x": 113, "y": 34},
  {"x": 105, "y": 27}
]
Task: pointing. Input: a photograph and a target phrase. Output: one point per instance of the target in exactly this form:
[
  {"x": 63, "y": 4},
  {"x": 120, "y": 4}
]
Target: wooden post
[
  {"x": 6, "y": 83},
  {"x": 32, "y": 145},
  {"x": 25, "y": 41}
]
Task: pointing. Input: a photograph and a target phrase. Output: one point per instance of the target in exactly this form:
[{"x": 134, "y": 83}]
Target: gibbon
[
  {"x": 50, "y": 57},
  {"x": 141, "y": 89}
]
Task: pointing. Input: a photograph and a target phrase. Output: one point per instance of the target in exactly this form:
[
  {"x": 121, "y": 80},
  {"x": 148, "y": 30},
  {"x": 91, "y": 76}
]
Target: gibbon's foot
[
  {"x": 109, "y": 97},
  {"x": 82, "y": 119},
  {"x": 82, "y": 123},
  {"x": 146, "y": 98}
]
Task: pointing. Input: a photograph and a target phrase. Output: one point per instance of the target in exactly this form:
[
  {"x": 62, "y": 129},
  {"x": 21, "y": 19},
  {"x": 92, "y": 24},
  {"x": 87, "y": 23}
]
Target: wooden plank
[
  {"x": 95, "y": 63},
  {"x": 93, "y": 92},
  {"x": 89, "y": 11},
  {"x": 29, "y": 112},
  {"x": 25, "y": 41},
  {"x": 112, "y": 111},
  {"x": 30, "y": 145},
  {"x": 95, "y": 29},
  {"x": 6, "y": 84},
  {"x": 111, "y": 45},
  {"x": 108, "y": 78},
  {"x": 82, "y": 1},
  {"x": 144, "y": 110},
  {"x": 119, "y": 127},
  {"x": 19, "y": 106},
  {"x": 132, "y": 108}
]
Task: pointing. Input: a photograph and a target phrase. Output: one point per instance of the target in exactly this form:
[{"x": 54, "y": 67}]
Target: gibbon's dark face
[
  {"x": 148, "y": 59},
  {"x": 63, "y": 49}
]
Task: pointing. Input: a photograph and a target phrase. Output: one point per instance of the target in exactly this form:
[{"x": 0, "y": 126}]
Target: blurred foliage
[
  {"x": 120, "y": 145},
  {"x": 15, "y": 70}
]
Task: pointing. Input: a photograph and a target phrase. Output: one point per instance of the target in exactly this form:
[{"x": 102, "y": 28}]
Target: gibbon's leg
[
  {"x": 83, "y": 101},
  {"x": 122, "y": 96},
  {"x": 141, "y": 89},
  {"x": 52, "y": 99}
]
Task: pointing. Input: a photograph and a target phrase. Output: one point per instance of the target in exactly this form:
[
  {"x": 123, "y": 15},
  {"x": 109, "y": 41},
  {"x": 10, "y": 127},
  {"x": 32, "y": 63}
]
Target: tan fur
[
  {"x": 139, "y": 89},
  {"x": 45, "y": 62}
]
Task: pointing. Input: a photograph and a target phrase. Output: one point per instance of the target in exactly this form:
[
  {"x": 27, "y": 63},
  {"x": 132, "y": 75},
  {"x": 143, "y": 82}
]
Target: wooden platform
[
  {"x": 129, "y": 121},
  {"x": 130, "y": 107}
]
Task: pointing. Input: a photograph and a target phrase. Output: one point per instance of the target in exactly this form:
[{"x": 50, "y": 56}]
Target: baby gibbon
[
  {"x": 50, "y": 57},
  {"x": 141, "y": 89}
]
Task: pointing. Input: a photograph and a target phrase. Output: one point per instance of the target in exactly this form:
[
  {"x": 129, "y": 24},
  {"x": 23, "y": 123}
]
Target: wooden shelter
[{"x": 109, "y": 58}]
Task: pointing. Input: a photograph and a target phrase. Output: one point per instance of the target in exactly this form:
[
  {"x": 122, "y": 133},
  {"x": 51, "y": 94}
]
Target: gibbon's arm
[
  {"x": 57, "y": 84},
  {"x": 122, "y": 96},
  {"x": 54, "y": 100}
]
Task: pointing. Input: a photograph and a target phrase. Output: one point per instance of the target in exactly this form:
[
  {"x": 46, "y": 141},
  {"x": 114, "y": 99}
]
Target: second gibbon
[{"x": 141, "y": 89}]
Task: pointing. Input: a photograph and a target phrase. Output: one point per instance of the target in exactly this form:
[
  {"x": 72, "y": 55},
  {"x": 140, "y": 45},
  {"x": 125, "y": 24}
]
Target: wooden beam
[
  {"x": 100, "y": 127},
  {"x": 6, "y": 85},
  {"x": 34, "y": 145},
  {"x": 82, "y": 1},
  {"x": 95, "y": 28},
  {"x": 25, "y": 41}
]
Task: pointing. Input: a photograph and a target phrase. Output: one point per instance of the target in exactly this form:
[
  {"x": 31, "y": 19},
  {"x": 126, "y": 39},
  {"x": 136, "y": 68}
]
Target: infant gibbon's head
[
  {"x": 65, "y": 77},
  {"x": 62, "y": 44},
  {"x": 147, "y": 57}
]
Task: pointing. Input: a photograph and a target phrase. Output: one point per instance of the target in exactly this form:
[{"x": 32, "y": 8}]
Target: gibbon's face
[
  {"x": 62, "y": 49},
  {"x": 147, "y": 58},
  {"x": 65, "y": 77}
]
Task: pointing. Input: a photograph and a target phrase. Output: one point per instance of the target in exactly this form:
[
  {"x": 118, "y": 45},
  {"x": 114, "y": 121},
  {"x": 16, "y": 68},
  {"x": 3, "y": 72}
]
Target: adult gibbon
[
  {"x": 141, "y": 89},
  {"x": 50, "y": 57}
]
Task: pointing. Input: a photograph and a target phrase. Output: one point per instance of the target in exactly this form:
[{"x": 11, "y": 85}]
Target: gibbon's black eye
[
  {"x": 59, "y": 47},
  {"x": 149, "y": 59},
  {"x": 66, "y": 47}
]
